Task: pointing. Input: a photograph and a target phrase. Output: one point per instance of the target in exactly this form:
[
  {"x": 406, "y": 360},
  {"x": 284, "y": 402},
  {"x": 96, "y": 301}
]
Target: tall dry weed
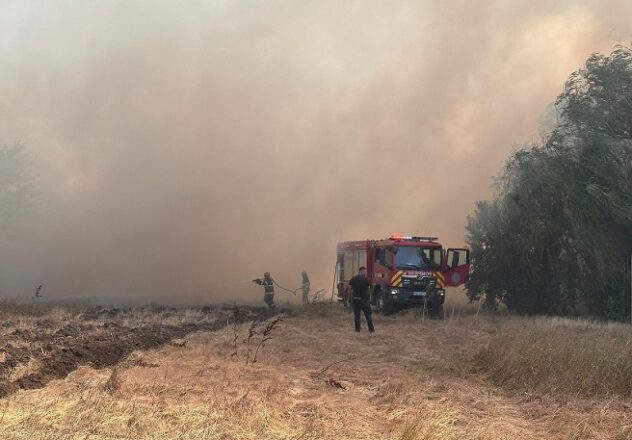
[
  {"x": 437, "y": 424},
  {"x": 559, "y": 356}
]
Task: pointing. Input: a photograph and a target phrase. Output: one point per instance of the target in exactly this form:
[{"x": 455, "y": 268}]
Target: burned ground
[{"x": 37, "y": 349}]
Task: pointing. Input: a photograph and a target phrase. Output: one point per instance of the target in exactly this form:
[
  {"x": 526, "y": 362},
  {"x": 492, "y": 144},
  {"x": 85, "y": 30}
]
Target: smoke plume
[{"x": 183, "y": 148}]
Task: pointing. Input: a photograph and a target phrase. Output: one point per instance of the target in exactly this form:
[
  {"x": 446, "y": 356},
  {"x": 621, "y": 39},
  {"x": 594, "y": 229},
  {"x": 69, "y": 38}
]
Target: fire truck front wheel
[
  {"x": 436, "y": 311},
  {"x": 381, "y": 306}
]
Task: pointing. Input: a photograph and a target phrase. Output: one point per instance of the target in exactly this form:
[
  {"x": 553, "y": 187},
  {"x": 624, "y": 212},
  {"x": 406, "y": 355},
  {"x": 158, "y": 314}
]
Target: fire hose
[{"x": 293, "y": 292}]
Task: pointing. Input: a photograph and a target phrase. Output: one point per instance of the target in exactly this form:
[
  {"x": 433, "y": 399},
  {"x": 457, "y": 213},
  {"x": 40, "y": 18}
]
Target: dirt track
[{"x": 99, "y": 337}]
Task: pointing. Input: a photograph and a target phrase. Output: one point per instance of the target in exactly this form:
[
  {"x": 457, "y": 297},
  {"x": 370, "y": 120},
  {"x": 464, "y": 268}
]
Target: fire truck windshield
[{"x": 417, "y": 258}]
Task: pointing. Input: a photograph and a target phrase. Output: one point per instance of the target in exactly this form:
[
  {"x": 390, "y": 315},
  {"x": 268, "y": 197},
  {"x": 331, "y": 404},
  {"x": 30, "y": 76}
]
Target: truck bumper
[{"x": 405, "y": 298}]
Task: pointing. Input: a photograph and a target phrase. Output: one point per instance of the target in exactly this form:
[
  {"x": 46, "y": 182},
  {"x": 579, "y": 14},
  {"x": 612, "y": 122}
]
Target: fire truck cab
[{"x": 405, "y": 271}]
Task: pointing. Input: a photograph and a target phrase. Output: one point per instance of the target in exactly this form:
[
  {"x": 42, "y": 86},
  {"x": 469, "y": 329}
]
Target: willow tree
[{"x": 557, "y": 236}]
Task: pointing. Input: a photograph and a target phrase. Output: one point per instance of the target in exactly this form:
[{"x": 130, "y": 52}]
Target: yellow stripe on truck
[
  {"x": 396, "y": 280},
  {"x": 397, "y": 275},
  {"x": 440, "y": 279}
]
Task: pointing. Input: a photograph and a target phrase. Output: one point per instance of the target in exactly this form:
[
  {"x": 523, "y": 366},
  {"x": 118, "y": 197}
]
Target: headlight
[
  {"x": 394, "y": 291},
  {"x": 441, "y": 292}
]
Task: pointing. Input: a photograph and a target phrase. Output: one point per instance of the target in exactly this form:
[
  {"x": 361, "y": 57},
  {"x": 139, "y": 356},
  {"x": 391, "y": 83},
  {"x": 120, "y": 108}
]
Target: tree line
[{"x": 556, "y": 238}]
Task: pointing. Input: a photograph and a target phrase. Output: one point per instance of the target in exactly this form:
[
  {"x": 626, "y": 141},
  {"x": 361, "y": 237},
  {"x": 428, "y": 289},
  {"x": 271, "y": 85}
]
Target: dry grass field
[{"x": 470, "y": 376}]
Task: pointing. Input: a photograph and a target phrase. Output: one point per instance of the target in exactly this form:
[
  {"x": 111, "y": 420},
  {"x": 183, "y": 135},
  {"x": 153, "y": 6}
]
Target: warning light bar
[{"x": 409, "y": 237}]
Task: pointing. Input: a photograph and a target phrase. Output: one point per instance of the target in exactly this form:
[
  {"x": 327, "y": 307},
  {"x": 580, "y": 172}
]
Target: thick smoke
[{"x": 183, "y": 148}]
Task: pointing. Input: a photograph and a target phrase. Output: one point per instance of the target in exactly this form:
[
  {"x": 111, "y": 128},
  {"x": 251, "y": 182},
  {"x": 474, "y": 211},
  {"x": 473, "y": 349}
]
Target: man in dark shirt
[{"x": 360, "y": 286}]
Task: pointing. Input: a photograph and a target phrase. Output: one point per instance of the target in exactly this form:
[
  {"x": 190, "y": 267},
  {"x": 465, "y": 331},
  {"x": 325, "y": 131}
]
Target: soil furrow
[{"x": 55, "y": 355}]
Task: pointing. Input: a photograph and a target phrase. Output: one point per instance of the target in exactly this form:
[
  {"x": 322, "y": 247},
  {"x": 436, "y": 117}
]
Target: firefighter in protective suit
[
  {"x": 268, "y": 288},
  {"x": 306, "y": 285}
]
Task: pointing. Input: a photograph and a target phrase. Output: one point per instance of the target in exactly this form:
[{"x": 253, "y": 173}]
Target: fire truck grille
[{"x": 418, "y": 283}]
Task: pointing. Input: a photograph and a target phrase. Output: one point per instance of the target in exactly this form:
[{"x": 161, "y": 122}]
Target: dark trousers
[
  {"x": 362, "y": 305},
  {"x": 269, "y": 299}
]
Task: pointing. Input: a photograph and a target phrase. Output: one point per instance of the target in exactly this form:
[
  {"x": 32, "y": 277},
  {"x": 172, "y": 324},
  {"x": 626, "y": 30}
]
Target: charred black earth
[{"x": 39, "y": 348}]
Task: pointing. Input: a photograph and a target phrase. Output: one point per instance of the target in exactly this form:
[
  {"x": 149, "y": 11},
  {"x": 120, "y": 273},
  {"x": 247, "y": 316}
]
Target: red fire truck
[{"x": 405, "y": 271}]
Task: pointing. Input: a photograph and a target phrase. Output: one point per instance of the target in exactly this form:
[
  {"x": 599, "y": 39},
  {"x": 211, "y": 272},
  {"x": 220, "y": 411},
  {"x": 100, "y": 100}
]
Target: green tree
[{"x": 557, "y": 236}]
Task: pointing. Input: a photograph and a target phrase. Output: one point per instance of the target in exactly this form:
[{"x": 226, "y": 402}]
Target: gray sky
[{"x": 182, "y": 145}]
